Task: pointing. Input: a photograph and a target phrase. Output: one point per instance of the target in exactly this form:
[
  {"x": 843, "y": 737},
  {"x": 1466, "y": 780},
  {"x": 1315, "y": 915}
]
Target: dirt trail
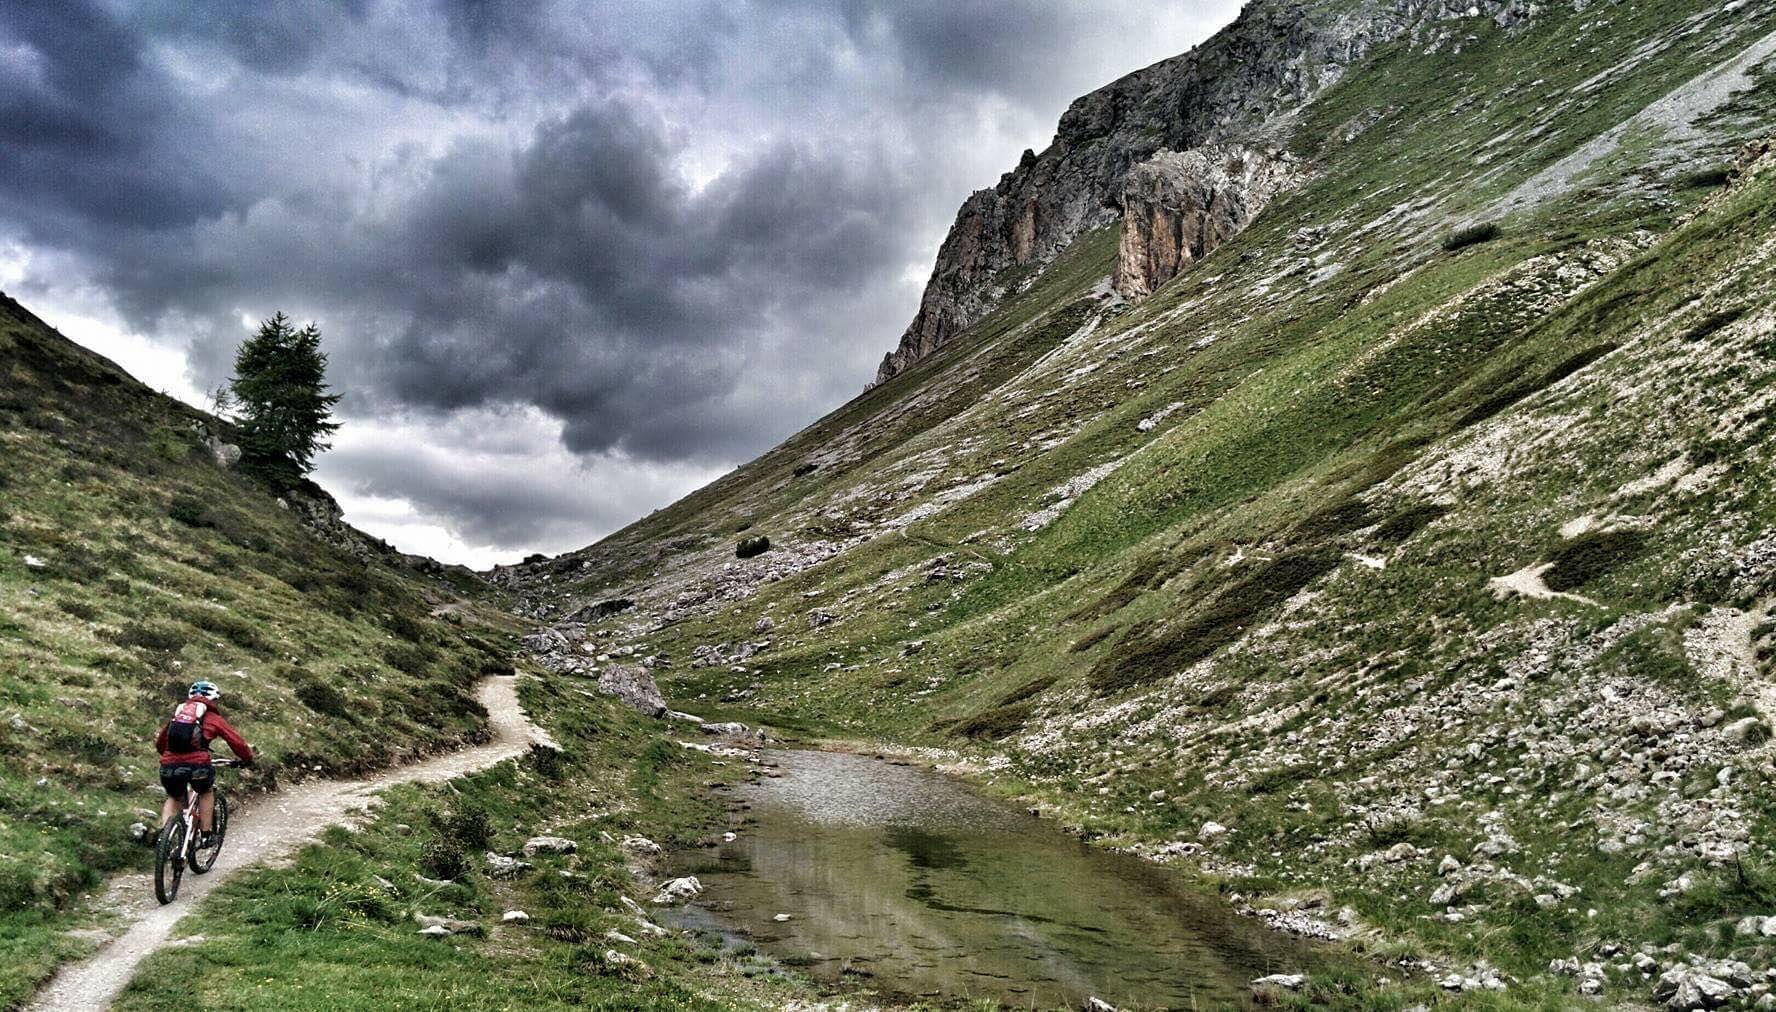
[{"x": 275, "y": 827}]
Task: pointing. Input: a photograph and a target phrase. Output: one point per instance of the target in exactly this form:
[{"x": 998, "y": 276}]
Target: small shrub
[
  {"x": 999, "y": 722},
  {"x": 190, "y": 511},
  {"x": 549, "y": 762},
  {"x": 1712, "y": 178},
  {"x": 1339, "y": 518},
  {"x": 225, "y": 624},
  {"x": 1714, "y": 323},
  {"x": 1091, "y": 639},
  {"x": 1142, "y": 657},
  {"x": 1589, "y": 556},
  {"x": 749, "y": 547},
  {"x": 409, "y": 658},
  {"x": 1403, "y": 524},
  {"x": 320, "y": 696},
  {"x": 1150, "y": 571},
  {"x": 1280, "y": 778},
  {"x": 469, "y": 825},
  {"x": 1471, "y": 235},
  {"x": 405, "y": 627},
  {"x": 444, "y": 858},
  {"x": 1028, "y": 690},
  {"x": 79, "y": 609},
  {"x": 162, "y": 637}
]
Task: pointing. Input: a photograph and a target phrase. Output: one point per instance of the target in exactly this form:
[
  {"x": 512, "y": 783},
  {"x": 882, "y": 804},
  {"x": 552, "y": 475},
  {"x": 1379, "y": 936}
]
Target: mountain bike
[{"x": 178, "y": 847}]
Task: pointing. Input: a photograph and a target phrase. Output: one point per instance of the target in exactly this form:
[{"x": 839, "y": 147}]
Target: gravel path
[{"x": 275, "y": 827}]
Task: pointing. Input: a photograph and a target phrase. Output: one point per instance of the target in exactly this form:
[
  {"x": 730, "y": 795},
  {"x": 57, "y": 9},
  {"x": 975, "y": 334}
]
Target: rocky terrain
[{"x": 1332, "y": 468}]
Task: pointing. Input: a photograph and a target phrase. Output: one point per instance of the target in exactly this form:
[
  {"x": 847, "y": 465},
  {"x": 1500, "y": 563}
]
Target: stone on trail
[
  {"x": 780, "y": 918},
  {"x": 514, "y": 917},
  {"x": 435, "y": 931},
  {"x": 632, "y": 684}
]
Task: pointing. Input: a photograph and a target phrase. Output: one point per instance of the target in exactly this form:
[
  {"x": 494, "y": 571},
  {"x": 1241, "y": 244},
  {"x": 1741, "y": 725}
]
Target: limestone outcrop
[
  {"x": 1179, "y": 205},
  {"x": 1246, "y": 85}
]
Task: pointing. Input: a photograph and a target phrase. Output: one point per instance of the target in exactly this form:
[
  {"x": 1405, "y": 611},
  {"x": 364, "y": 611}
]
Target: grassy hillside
[
  {"x": 132, "y": 564},
  {"x": 1270, "y": 541}
]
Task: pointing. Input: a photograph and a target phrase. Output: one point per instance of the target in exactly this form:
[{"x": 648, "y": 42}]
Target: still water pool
[{"x": 906, "y": 881}]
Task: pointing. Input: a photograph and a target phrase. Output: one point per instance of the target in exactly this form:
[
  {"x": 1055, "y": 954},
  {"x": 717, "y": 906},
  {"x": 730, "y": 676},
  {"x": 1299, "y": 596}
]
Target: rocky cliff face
[
  {"x": 1178, "y": 206},
  {"x": 1247, "y": 84}
]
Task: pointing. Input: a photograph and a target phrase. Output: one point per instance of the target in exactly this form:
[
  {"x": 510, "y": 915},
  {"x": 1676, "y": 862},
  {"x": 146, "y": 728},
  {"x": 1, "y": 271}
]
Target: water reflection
[{"x": 907, "y": 878}]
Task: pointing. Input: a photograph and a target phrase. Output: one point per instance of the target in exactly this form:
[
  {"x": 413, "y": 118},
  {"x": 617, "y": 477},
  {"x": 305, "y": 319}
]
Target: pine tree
[{"x": 281, "y": 393}]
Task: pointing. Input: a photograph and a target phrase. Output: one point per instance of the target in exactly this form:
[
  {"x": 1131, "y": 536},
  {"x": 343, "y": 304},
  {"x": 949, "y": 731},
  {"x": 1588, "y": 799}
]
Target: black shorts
[{"x": 175, "y": 779}]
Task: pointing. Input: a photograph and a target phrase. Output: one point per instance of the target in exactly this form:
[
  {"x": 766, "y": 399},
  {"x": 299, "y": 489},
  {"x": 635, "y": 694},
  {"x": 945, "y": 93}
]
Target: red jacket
[{"x": 213, "y": 727}]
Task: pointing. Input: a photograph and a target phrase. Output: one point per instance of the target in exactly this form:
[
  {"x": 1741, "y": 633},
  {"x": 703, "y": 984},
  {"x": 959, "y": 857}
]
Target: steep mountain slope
[
  {"x": 131, "y": 563},
  {"x": 1402, "y": 564}
]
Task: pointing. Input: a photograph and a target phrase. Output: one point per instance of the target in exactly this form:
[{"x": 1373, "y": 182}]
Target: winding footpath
[{"x": 277, "y": 825}]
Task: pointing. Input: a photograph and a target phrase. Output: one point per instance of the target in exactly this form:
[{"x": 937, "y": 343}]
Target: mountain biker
[{"x": 184, "y": 747}]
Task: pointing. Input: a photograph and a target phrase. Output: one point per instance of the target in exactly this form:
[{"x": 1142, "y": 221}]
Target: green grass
[
  {"x": 335, "y": 929},
  {"x": 158, "y": 568}
]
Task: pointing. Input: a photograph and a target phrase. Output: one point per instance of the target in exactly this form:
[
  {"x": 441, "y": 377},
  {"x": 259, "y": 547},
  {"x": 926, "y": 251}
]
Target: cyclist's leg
[
  {"x": 175, "y": 779},
  {"x": 203, "y": 778}
]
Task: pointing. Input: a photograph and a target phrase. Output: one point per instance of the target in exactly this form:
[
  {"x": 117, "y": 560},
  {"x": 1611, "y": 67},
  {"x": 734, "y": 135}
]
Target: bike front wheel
[
  {"x": 169, "y": 860},
  {"x": 204, "y": 858}
]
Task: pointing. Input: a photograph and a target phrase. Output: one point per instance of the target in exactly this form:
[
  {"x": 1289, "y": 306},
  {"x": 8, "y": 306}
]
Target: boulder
[
  {"x": 639, "y": 846},
  {"x": 632, "y": 684},
  {"x": 549, "y": 845},
  {"x": 600, "y": 610},
  {"x": 1288, "y": 981},
  {"x": 678, "y": 890},
  {"x": 514, "y": 917},
  {"x": 503, "y": 867},
  {"x": 1683, "y": 989},
  {"x": 430, "y": 924},
  {"x": 1211, "y": 830}
]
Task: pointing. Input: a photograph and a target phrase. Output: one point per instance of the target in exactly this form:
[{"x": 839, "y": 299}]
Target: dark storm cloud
[{"x": 678, "y": 230}]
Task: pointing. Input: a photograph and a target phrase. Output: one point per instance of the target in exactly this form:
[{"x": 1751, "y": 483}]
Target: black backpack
[{"x": 185, "y": 730}]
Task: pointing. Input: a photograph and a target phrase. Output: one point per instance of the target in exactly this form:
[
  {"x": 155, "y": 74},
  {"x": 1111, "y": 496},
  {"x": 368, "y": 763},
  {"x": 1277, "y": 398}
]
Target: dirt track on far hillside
[{"x": 277, "y": 826}]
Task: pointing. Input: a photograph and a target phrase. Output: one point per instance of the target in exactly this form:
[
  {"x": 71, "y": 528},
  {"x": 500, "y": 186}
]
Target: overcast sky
[{"x": 570, "y": 261}]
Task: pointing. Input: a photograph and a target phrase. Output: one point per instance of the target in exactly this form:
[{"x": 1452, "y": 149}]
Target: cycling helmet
[{"x": 205, "y": 690}]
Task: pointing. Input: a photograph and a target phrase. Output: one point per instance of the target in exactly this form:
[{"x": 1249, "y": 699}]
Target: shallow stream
[{"x": 907, "y": 881}]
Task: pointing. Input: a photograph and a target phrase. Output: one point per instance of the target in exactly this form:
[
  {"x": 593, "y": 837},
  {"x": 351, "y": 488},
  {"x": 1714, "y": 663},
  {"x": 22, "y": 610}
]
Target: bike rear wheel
[
  {"x": 203, "y": 859},
  {"x": 169, "y": 860}
]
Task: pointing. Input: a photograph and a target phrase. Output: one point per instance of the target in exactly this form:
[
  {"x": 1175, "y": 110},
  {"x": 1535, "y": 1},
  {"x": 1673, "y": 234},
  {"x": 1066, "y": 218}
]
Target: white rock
[
  {"x": 1448, "y": 865},
  {"x": 34, "y": 562},
  {"x": 549, "y": 845},
  {"x": 678, "y": 890},
  {"x": 613, "y": 935},
  {"x": 514, "y": 917},
  {"x": 1292, "y": 981},
  {"x": 1210, "y": 830},
  {"x": 435, "y": 931},
  {"x": 501, "y": 866},
  {"x": 780, "y": 918}
]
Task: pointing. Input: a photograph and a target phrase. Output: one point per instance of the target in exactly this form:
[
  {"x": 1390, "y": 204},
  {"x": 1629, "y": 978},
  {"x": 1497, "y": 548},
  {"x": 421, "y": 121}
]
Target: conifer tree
[{"x": 281, "y": 394}]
